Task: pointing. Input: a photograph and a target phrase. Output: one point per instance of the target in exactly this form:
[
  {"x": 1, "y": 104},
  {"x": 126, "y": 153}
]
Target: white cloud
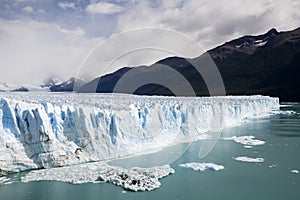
[
  {"x": 65, "y": 5},
  {"x": 28, "y": 10},
  {"x": 41, "y": 11},
  {"x": 31, "y": 10},
  {"x": 78, "y": 31},
  {"x": 30, "y": 51},
  {"x": 104, "y": 8}
]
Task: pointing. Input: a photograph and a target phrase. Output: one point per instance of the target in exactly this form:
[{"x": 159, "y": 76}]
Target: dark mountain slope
[{"x": 266, "y": 64}]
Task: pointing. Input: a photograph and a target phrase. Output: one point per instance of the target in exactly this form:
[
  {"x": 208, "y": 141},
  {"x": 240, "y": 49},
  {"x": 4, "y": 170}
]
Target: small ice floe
[
  {"x": 202, "y": 166},
  {"x": 295, "y": 171},
  {"x": 247, "y": 141},
  {"x": 283, "y": 112},
  {"x": 247, "y": 159},
  {"x": 285, "y": 105},
  {"x": 5, "y": 181},
  {"x": 272, "y": 166},
  {"x": 134, "y": 179}
]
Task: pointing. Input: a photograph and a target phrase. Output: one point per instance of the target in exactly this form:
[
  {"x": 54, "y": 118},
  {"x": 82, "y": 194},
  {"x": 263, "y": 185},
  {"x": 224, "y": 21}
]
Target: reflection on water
[{"x": 286, "y": 125}]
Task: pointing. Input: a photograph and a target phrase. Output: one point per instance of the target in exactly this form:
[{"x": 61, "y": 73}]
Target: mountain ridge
[{"x": 248, "y": 65}]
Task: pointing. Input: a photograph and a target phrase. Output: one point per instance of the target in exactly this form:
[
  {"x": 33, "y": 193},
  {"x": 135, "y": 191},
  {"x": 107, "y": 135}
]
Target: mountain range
[
  {"x": 51, "y": 84},
  {"x": 266, "y": 64},
  {"x": 72, "y": 84}
]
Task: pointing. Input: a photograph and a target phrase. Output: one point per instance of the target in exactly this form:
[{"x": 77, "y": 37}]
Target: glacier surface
[{"x": 53, "y": 130}]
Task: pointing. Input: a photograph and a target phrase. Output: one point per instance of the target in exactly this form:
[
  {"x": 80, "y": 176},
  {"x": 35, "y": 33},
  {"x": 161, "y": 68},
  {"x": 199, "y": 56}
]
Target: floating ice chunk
[
  {"x": 247, "y": 159},
  {"x": 285, "y": 105},
  {"x": 283, "y": 112},
  {"x": 247, "y": 140},
  {"x": 135, "y": 179},
  {"x": 272, "y": 166},
  {"x": 295, "y": 171},
  {"x": 202, "y": 166},
  {"x": 4, "y": 180}
]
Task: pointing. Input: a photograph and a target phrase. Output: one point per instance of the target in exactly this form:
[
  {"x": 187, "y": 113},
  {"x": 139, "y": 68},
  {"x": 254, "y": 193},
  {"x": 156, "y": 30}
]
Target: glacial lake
[{"x": 275, "y": 178}]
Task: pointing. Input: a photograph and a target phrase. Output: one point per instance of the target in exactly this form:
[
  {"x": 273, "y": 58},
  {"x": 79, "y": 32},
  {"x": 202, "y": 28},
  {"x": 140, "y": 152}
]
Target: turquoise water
[{"x": 239, "y": 180}]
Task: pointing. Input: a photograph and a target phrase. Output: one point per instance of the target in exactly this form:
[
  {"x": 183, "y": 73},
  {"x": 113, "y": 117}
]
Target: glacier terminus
[{"x": 53, "y": 130}]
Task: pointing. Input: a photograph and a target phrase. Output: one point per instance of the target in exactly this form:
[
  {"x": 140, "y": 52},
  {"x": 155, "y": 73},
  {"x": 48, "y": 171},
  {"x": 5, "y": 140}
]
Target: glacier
[{"x": 45, "y": 130}]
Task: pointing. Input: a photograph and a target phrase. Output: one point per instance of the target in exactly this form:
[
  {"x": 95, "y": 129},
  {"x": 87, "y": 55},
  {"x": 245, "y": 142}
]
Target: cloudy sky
[{"x": 41, "y": 38}]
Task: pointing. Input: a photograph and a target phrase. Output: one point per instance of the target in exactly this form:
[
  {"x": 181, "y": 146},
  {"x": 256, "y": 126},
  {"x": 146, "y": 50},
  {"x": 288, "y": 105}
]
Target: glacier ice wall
[{"x": 50, "y": 130}]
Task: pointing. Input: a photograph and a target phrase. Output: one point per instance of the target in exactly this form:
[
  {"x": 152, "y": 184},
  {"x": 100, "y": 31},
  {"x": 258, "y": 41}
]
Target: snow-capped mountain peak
[
  {"x": 51, "y": 84},
  {"x": 51, "y": 81},
  {"x": 72, "y": 84}
]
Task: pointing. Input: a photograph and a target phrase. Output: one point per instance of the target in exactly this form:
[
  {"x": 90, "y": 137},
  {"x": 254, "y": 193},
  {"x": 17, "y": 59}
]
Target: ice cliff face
[{"x": 50, "y": 130}]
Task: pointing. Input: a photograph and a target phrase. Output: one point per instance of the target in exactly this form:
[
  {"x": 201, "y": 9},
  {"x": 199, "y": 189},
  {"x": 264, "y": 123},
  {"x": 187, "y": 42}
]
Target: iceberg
[
  {"x": 247, "y": 159},
  {"x": 295, "y": 171},
  {"x": 283, "y": 112},
  {"x": 42, "y": 130},
  {"x": 202, "y": 166},
  {"x": 134, "y": 179},
  {"x": 247, "y": 141}
]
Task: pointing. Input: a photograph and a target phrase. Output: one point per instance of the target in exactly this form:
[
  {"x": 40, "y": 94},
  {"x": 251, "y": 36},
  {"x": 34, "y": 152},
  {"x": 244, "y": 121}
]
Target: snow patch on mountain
[{"x": 260, "y": 43}]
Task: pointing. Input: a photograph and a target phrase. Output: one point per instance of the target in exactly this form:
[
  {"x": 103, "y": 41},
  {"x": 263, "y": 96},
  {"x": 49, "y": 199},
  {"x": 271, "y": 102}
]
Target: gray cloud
[
  {"x": 28, "y": 9},
  {"x": 32, "y": 50},
  {"x": 214, "y": 22}
]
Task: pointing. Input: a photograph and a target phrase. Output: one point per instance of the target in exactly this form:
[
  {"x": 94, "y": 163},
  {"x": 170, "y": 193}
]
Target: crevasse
[{"x": 49, "y": 130}]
